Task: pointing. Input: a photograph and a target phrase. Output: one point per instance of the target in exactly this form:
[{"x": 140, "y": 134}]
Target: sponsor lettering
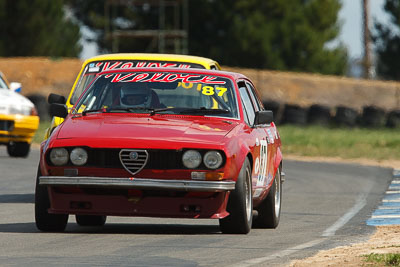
[{"x": 170, "y": 77}]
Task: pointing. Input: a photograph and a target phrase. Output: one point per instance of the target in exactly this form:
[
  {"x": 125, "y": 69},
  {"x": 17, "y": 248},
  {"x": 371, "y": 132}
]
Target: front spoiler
[{"x": 138, "y": 183}]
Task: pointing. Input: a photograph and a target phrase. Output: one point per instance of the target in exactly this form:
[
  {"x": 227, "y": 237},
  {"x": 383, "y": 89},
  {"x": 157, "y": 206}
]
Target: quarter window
[
  {"x": 247, "y": 105},
  {"x": 254, "y": 97}
]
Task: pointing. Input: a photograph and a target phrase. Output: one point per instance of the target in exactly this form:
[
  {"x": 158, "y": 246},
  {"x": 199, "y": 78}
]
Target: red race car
[{"x": 181, "y": 143}]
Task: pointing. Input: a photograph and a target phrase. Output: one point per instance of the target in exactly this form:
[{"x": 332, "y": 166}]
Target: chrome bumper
[{"x": 138, "y": 183}]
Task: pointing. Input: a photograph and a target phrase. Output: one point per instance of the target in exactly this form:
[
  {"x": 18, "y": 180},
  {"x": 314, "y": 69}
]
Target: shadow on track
[
  {"x": 115, "y": 228},
  {"x": 146, "y": 229},
  {"x": 17, "y": 198}
]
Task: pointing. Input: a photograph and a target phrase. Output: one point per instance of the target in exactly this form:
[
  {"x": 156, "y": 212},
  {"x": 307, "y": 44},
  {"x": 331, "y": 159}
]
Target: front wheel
[
  {"x": 18, "y": 149},
  {"x": 240, "y": 204},
  {"x": 46, "y": 221},
  {"x": 269, "y": 210}
]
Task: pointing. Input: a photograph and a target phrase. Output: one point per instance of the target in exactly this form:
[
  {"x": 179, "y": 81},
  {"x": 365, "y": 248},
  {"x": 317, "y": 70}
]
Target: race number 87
[
  {"x": 209, "y": 90},
  {"x": 205, "y": 90}
]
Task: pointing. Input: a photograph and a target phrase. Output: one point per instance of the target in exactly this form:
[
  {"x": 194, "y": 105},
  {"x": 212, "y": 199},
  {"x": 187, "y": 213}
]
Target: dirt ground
[{"x": 386, "y": 239}]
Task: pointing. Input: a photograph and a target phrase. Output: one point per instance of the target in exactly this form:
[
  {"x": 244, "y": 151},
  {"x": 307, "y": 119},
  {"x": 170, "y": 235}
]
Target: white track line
[
  {"x": 280, "y": 254},
  {"x": 360, "y": 203}
]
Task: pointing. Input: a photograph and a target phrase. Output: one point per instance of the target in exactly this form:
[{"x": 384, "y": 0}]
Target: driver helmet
[{"x": 136, "y": 95}]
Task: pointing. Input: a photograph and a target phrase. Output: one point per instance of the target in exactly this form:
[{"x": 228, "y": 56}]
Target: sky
[
  {"x": 351, "y": 18},
  {"x": 351, "y": 31}
]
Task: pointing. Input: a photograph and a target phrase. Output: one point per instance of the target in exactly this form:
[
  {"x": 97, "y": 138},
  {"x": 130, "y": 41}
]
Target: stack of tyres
[
  {"x": 345, "y": 116},
  {"x": 319, "y": 115}
]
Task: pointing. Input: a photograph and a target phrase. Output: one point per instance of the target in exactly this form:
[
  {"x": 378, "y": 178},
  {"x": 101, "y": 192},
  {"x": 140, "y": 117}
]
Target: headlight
[
  {"x": 213, "y": 159},
  {"x": 59, "y": 156},
  {"x": 191, "y": 159},
  {"x": 78, "y": 156}
]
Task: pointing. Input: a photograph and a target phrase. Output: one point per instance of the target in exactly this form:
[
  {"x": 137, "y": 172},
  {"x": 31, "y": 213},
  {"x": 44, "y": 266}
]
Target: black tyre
[
  {"x": 277, "y": 109},
  {"x": 90, "y": 220},
  {"x": 41, "y": 106},
  {"x": 319, "y": 114},
  {"x": 18, "y": 149},
  {"x": 345, "y": 116},
  {"x": 294, "y": 114},
  {"x": 240, "y": 204},
  {"x": 269, "y": 210},
  {"x": 373, "y": 117},
  {"x": 45, "y": 221},
  {"x": 393, "y": 119}
]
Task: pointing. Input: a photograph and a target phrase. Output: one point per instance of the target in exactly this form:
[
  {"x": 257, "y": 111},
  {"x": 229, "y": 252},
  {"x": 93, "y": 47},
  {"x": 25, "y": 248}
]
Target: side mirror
[
  {"x": 16, "y": 87},
  {"x": 56, "y": 99},
  {"x": 264, "y": 117},
  {"x": 58, "y": 110}
]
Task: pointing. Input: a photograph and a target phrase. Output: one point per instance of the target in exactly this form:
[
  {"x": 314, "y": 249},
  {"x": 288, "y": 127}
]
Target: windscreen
[
  {"x": 163, "y": 92},
  {"x": 93, "y": 68},
  {"x": 3, "y": 84}
]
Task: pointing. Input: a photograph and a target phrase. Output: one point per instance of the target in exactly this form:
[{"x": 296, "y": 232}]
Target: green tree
[
  {"x": 387, "y": 43},
  {"x": 37, "y": 28},
  {"x": 274, "y": 34}
]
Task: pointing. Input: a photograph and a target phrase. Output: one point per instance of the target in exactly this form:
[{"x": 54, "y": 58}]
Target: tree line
[{"x": 282, "y": 35}]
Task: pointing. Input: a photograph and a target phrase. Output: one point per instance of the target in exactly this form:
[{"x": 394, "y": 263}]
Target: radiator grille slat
[{"x": 133, "y": 160}]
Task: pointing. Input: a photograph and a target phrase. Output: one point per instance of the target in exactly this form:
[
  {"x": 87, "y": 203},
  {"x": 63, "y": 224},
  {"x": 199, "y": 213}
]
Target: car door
[
  {"x": 259, "y": 141},
  {"x": 272, "y": 137}
]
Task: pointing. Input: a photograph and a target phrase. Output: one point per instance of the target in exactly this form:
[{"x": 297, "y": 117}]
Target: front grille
[
  {"x": 164, "y": 159},
  {"x": 157, "y": 159},
  {"x": 6, "y": 125},
  {"x": 133, "y": 160}
]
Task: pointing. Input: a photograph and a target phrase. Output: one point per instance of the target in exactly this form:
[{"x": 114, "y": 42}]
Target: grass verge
[
  {"x": 389, "y": 259},
  {"x": 39, "y": 135},
  {"x": 347, "y": 143}
]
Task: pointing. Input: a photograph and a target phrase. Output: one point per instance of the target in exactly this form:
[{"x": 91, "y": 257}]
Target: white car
[{"x": 18, "y": 119}]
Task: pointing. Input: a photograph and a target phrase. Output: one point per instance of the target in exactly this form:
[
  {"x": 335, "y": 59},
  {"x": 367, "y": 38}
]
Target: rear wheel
[
  {"x": 18, "y": 149},
  {"x": 240, "y": 204},
  {"x": 90, "y": 220},
  {"x": 269, "y": 210},
  {"x": 46, "y": 221}
]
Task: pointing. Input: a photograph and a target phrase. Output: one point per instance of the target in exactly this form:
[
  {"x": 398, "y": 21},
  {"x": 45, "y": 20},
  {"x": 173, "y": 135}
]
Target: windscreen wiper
[
  {"x": 129, "y": 109},
  {"x": 156, "y": 110},
  {"x": 203, "y": 110},
  {"x": 92, "y": 111}
]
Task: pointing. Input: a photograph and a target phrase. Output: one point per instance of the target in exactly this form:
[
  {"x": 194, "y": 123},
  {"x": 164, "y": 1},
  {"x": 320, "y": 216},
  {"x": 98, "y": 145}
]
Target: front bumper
[
  {"x": 158, "y": 198},
  {"x": 23, "y": 130},
  {"x": 138, "y": 183}
]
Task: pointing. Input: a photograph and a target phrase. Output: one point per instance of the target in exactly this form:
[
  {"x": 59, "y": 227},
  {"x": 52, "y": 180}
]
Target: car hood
[
  {"x": 14, "y": 103},
  {"x": 112, "y": 130}
]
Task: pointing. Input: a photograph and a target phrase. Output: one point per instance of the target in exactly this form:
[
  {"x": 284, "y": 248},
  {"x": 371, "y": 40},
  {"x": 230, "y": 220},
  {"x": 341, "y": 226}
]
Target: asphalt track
[{"x": 324, "y": 205}]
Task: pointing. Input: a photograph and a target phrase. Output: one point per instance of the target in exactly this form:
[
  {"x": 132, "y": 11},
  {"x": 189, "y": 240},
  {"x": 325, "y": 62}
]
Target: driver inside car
[{"x": 136, "y": 95}]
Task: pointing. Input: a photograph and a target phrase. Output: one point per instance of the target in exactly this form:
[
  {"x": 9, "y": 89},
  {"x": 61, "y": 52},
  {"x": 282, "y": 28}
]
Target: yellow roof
[{"x": 149, "y": 56}]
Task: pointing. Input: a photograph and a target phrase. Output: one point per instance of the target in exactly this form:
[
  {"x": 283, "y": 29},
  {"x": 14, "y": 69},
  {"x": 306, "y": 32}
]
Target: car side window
[
  {"x": 247, "y": 104},
  {"x": 246, "y": 116},
  {"x": 254, "y": 97}
]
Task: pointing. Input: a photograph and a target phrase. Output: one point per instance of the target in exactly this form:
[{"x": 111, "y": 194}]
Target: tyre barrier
[
  {"x": 393, "y": 119},
  {"x": 277, "y": 109},
  {"x": 41, "y": 105},
  {"x": 294, "y": 114},
  {"x": 345, "y": 116},
  {"x": 319, "y": 114},
  {"x": 372, "y": 117}
]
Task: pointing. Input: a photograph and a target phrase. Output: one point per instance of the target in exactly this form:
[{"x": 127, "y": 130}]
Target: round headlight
[
  {"x": 78, "y": 156},
  {"x": 213, "y": 159},
  {"x": 191, "y": 159},
  {"x": 59, "y": 156}
]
